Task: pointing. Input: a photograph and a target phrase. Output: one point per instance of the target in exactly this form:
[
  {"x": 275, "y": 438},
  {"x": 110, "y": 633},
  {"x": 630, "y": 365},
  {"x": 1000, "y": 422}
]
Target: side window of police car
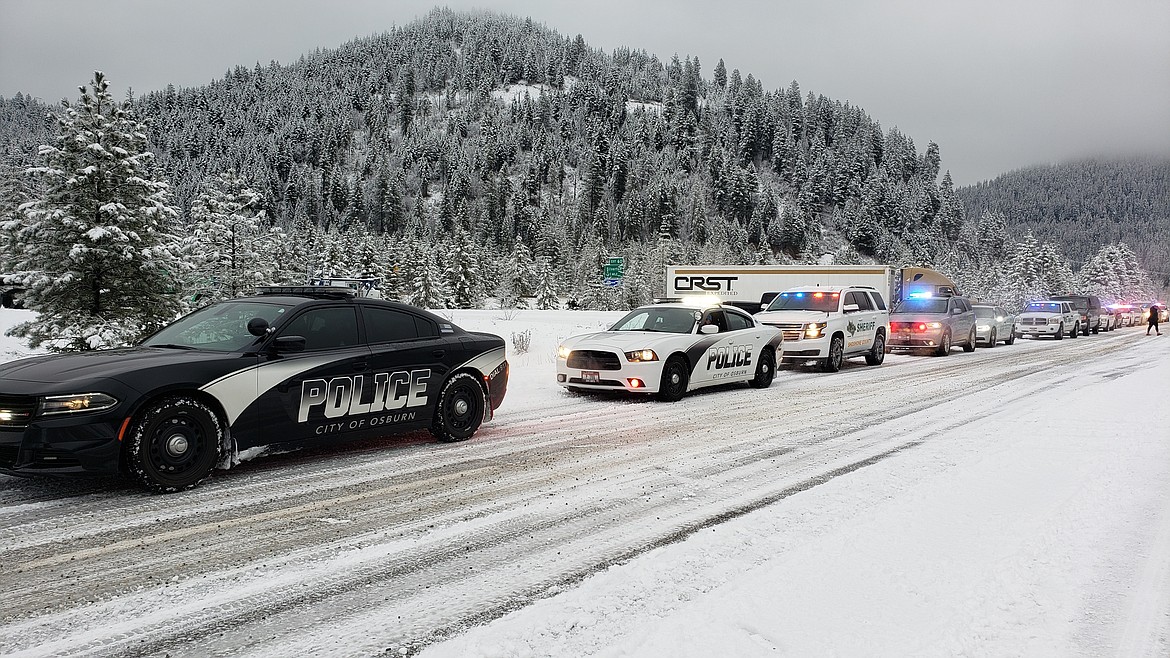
[
  {"x": 715, "y": 317},
  {"x": 879, "y": 303},
  {"x": 325, "y": 328},
  {"x": 386, "y": 325},
  {"x": 736, "y": 321},
  {"x": 860, "y": 299}
]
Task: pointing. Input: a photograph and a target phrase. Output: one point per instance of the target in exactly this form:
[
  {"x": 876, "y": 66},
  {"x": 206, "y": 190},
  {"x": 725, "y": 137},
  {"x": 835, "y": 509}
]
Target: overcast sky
[{"x": 998, "y": 84}]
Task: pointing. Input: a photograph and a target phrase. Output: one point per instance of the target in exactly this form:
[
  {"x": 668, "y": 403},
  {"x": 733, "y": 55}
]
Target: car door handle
[
  {"x": 361, "y": 365},
  {"x": 438, "y": 353}
]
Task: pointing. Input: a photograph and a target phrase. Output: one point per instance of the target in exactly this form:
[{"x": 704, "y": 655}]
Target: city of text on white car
[{"x": 669, "y": 348}]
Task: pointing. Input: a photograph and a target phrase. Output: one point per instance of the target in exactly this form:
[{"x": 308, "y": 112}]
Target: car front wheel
[
  {"x": 460, "y": 408},
  {"x": 877, "y": 354},
  {"x": 174, "y": 444},
  {"x": 765, "y": 370},
  {"x": 944, "y": 348},
  {"x": 1060, "y": 332},
  {"x": 832, "y": 362},
  {"x": 674, "y": 380}
]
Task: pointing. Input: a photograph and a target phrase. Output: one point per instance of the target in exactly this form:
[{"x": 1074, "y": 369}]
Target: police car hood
[
  {"x": 78, "y": 368},
  {"x": 772, "y": 317},
  {"x": 624, "y": 341}
]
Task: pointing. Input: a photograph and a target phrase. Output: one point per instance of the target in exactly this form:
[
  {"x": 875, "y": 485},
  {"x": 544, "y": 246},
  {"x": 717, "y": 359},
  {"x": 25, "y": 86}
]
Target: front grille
[
  {"x": 1032, "y": 322},
  {"x": 17, "y": 410},
  {"x": 593, "y": 360},
  {"x": 791, "y": 330}
]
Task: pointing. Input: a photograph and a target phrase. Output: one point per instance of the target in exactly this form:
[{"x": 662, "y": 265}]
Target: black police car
[{"x": 289, "y": 366}]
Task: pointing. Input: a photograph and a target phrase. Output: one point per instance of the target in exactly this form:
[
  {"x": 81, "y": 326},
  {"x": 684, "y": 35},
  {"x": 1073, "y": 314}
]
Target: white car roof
[{"x": 822, "y": 288}]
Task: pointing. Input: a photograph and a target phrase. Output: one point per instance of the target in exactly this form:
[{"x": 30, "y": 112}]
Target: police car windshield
[
  {"x": 984, "y": 312},
  {"x": 921, "y": 305},
  {"x": 825, "y": 302},
  {"x": 1043, "y": 307},
  {"x": 219, "y": 328},
  {"x": 671, "y": 320}
]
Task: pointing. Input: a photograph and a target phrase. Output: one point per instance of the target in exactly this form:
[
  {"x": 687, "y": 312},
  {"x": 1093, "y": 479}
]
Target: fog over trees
[{"x": 469, "y": 159}]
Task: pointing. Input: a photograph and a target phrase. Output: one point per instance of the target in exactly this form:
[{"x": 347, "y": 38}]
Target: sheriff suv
[{"x": 828, "y": 324}]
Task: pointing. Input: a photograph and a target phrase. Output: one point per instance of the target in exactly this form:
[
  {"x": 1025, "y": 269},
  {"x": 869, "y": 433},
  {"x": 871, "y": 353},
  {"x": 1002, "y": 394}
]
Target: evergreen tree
[
  {"x": 96, "y": 252},
  {"x": 547, "y": 296},
  {"x": 225, "y": 246}
]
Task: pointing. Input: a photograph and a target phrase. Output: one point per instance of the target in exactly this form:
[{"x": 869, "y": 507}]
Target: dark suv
[{"x": 1089, "y": 308}]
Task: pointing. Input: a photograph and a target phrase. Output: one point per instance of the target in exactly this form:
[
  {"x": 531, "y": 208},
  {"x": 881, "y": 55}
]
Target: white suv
[
  {"x": 1049, "y": 318},
  {"x": 828, "y": 324}
]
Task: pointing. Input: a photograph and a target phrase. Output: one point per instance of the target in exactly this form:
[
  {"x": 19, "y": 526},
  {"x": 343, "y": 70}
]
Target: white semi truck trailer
[{"x": 750, "y": 286}]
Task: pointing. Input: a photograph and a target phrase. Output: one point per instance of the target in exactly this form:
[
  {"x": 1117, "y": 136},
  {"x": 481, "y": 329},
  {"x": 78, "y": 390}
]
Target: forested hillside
[
  {"x": 1082, "y": 205},
  {"x": 468, "y": 156}
]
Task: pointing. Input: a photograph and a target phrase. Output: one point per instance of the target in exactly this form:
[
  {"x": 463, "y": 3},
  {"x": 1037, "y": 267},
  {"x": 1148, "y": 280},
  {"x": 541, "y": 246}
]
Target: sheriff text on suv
[{"x": 828, "y": 324}]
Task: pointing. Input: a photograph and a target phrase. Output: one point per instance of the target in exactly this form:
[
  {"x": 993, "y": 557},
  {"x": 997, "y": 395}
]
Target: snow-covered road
[{"x": 935, "y": 506}]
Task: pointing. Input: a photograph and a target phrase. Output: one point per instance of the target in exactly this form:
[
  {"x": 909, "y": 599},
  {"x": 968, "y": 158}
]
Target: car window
[
  {"x": 715, "y": 317},
  {"x": 737, "y": 321},
  {"x": 805, "y": 301},
  {"x": 985, "y": 312},
  {"x": 384, "y": 325},
  {"x": 921, "y": 305},
  {"x": 671, "y": 320},
  {"x": 879, "y": 303},
  {"x": 221, "y": 327},
  {"x": 859, "y": 298},
  {"x": 325, "y": 328}
]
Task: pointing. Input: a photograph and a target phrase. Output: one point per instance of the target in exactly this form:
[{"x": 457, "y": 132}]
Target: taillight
[{"x": 921, "y": 326}]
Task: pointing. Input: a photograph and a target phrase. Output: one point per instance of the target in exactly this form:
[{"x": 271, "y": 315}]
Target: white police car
[{"x": 669, "y": 348}]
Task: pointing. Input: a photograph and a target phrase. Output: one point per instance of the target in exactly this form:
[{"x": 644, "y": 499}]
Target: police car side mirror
[
  {"x": 851, "y": 308},
  {"x": 956, "y": 311},
  {"x": 709, "y": 329},
  {"x": 258, "y": 326},
  {"x": 289, "y": 344}
]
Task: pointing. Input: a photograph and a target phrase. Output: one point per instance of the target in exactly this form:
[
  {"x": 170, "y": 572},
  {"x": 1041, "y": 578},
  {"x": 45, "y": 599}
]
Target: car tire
[
  {"x": 1011, "y": 339},
  {"x": 944, "y": 348},
  {"x": 675, "y": 376},
  {"x": 832, "y": 362},
  {"x": 969, "y": 346},
  {"x": 765, "y": 370},
  {"x": 1060, "y": 332},
  {"x": 459, "y": 411},
  {"x": 877, "y": 353},
  {"x": 992, "y": 339},
  {"x": 173, "y": 444}
]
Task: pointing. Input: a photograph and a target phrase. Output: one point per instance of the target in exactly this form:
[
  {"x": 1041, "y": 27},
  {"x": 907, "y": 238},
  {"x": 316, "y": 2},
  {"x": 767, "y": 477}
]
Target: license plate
[{"x": 590, "y": 376}]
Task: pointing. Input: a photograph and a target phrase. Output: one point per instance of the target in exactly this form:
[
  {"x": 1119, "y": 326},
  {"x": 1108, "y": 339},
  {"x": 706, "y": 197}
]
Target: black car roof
[{"x": 304, "y": 299}]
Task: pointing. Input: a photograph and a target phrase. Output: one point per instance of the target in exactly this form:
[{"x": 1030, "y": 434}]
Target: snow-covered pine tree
[
  {"x": 461, "y": 274},
  {"x": 96, "y": 251},
  {"x": 430, "y": 290},
  {"x": 546, "y": 287},
  {"x": 228, "y": 227}
]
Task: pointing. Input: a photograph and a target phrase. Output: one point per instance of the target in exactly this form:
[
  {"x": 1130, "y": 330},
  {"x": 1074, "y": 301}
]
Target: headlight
[
  {"x": 814, "y": 329},
  {"x": 1054, "y": 320},
  {"x": 637, "y": 356},
  {"x": 563, "y": 352},
  {"x": 934, "y": 325},
  {"x": 68, "y": 404},
  {"x": 984, "y": 327}
]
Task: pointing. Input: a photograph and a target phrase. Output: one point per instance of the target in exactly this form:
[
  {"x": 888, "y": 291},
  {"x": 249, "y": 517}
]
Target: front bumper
[
  {"x": 804, "y": 349},
  {"x": 80, "y": 445},
  {"x": 1038, "y": 330},
  {"x": 641, "y": 377},
  {"x": 916, "y": 340}
]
